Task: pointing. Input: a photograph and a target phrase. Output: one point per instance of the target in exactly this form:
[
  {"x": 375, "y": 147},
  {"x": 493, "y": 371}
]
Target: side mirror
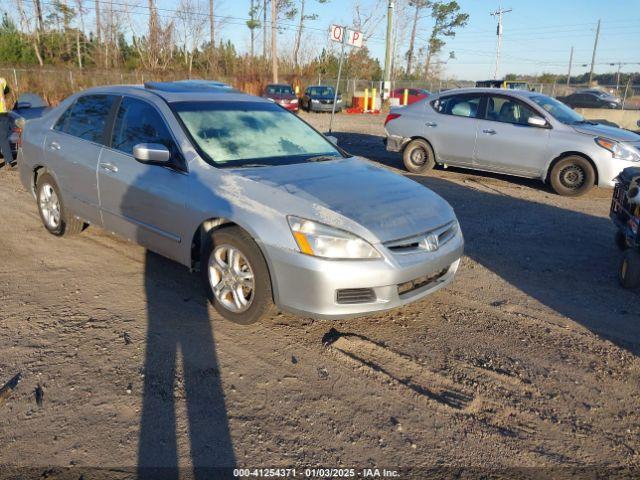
[
  {"x": 22, "y": 105},
  {"x": 332, "y": 139},
  {"x": 537, "y": 121},
  {"x": 152, "y": 153}
]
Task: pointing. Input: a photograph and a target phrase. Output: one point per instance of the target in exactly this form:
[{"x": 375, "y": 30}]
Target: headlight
[
  {"x": 295, "y": 100},
  {"x": 320, "y": 240},
  {"x": 313, "y": 100},
  {"x": 619, "y": 150}
]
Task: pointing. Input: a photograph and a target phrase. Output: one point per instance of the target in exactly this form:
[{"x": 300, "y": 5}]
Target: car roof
[
  {"x": 278, "y": 85},
  {"x": 181, "y": 91},
  {"x": 501, "y": 91}
]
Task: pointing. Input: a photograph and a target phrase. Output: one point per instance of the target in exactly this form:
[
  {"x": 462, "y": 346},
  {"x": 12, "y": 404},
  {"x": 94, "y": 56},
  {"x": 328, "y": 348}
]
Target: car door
[
  {"x": 143, "y": 202},
  {"x": 72, "y": 149},
  {"x": 506, "y": 142},
  {"x": 450, "y": 125}
]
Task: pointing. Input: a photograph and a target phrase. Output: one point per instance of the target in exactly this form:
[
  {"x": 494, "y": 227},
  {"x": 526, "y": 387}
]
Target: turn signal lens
[{"x": 391, "y": 116}]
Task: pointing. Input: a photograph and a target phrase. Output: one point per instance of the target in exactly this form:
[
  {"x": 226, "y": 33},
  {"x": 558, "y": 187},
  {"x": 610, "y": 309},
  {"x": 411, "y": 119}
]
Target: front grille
[
  {"x": 415, "y": 284},
  {"x": 356, "y": 295},
  {"x": 412, "y": 244},
  {"x": 326, "y": 101}
]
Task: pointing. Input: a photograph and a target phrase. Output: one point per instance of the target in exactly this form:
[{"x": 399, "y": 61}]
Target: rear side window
[
  {"x": 466, "y": 105},
  {"x": 87, "y": 117},
  {"x": 139, "y": 122}
]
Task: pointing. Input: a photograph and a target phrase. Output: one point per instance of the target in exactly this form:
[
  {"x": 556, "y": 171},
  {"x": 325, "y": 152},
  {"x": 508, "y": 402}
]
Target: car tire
[
  {"x": 621, "y": 240},
  {"x": 629, "y": 272},
  {"x": 572, "y": 176},
  {"x": 418, "y": 156},
  {"x": 55, "y": 218},
  {"x": 249, "y": 274}
]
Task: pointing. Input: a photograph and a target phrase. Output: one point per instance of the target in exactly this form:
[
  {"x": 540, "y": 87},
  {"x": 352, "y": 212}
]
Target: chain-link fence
[{"x": 54, "y": 84}]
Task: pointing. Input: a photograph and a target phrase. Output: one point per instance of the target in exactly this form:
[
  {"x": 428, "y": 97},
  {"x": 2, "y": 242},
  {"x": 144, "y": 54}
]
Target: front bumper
[
  {"x": 324, "y": 107},
  {"x": 395, "y": 143},
  {"x": 308, "y": 286},
  {"x": 609, "y": 169},
  {"x": 292, "y": 107}
]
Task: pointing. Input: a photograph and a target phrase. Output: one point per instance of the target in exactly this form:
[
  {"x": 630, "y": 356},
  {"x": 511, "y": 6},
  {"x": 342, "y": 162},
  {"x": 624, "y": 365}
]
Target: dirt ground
[{"x": 528, "y": 359}]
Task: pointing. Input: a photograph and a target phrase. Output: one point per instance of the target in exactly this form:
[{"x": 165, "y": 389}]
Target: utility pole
[
  {"x": 498, "y": 13},
  {"x": 570, "y": 62},
  {"x": 274, "y": 36},
  {"x": 593, "y": 57},
  {"x": 387, "y": 58}
]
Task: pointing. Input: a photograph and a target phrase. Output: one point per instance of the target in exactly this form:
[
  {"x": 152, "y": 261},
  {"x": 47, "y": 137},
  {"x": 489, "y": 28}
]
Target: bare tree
[
  {"x": 253, "y": 23},
  {"x": 366, "y": 21},
  {"x": 288, "y": 10},
  {"x": 302, "y": 18},
  {"x": 419, "y": 6},
  {"x": 191, "y": 30},
  {"x": 156, "y": 49}
]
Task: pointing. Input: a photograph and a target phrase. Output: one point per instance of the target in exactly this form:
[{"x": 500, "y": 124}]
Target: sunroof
[{"x": 191, "y": 86}]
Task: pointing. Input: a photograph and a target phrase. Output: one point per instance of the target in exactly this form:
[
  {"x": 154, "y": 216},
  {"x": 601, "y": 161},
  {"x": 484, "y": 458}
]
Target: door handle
[
  {"x": 489, "y": 131},
  {"x": 431, "y": 124},
  {"x": 54, "y": 146},
  {"x": 110, "y": 167}
]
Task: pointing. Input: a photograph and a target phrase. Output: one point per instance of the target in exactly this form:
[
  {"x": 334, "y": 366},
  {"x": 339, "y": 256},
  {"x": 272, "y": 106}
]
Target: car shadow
[
  {"x": 373, "y": 148},
  {"x": 564, "y": 259}
]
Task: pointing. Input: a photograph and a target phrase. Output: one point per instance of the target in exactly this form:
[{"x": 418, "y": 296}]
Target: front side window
[
  {"x": 87, "y": 117},
  {"x": 557, "y": 109},
  {"x": 465, "y": 105},
  {"x": 236, "y": 133},
  {"x": 508, "y": 110},
  {"x": 138, "y": 122}
]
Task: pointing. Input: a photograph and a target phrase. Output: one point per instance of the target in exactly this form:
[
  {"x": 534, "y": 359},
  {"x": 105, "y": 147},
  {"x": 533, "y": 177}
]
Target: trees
[
  {"x": 303, "y": 17},
  {"x": 419, "y": 6},
  {"x": 446, "y": 19}
]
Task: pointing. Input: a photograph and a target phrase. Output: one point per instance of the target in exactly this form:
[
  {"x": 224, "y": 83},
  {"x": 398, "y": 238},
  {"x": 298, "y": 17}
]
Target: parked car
[
  {"x": 413, "y": 94},
  {"x": 514, "y": 132},
  {"x": 319, "y": 98},
  {"x": 28, "y": 106},
  {"x": 592, "y": 98},
  {"x": 283, "y": 95},
  {"x": 508, "y": 84},
  {"x": 246, "y": 192}
]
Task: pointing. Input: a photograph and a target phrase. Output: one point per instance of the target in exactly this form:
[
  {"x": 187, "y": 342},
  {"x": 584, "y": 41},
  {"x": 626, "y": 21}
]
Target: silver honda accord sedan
[
  {"x": 516, "y": 132},
  {"x": 271, "y": 212}
]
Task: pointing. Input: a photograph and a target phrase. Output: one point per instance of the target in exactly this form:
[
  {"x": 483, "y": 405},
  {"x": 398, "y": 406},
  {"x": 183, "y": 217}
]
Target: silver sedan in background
[
  {"x": 516, "y": 132},
  {"x": 269, "y": 210}
]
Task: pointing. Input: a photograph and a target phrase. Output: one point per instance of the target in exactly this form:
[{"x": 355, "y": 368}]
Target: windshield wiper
[
  {"x": 252, "y": 165},
  {"x": 323, "y": 158},
  {"x": 584, "y": 122}
]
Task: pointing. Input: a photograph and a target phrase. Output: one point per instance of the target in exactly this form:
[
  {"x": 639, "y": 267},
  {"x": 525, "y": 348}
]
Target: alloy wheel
[
  {"x": 231, "y": 278},
  {"x": 50, "y": 206}
]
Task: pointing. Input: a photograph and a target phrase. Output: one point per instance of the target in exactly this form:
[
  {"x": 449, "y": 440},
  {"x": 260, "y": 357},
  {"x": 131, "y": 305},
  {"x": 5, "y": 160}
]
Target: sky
[{"x": 538, "y": 35}]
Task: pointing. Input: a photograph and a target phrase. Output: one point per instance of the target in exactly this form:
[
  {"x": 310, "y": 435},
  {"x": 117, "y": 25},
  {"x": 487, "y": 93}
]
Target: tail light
[
  {"x": 391, "y": 116},
  {"x": 16, "y": 136}
]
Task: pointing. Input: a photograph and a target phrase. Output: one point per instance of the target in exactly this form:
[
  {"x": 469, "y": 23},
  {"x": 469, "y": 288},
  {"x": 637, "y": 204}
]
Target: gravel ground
[{"x": 528, "y": 359}]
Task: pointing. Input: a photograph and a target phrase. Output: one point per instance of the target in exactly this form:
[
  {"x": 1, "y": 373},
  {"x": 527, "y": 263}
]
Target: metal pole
[
  {"x": 498, "y": 13},
  {"x": 387, "y": 57},
  {"x": 593, "y": 56},
  {"x": 335, "y": 94},
  {"x": 618, "y": 78},
  {"x": 570, "y": 62}
]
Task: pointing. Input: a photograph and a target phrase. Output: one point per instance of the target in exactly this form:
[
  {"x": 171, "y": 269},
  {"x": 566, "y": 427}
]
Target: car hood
[
  {"x": 388, "y": 205},
  {"x": 280, "y": 96},
  {"x": 612, "y": 133}
]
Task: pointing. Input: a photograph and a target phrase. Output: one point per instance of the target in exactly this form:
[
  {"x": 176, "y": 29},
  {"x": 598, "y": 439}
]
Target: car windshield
[
  {"x": 321, "y": 91},
  {"x": 558, "y": 110},
  {"x": 231, "y": 134},
  {"x": 280, "y": 90}
]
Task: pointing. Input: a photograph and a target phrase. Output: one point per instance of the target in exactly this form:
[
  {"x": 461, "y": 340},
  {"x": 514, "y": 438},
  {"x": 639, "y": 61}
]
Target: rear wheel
[
  {"x": 572, "y": 176},
  {"x": 236, "y": 276},
  {"x": 418, "y": 156},
  {"x": 54, "y": 216},
  {"x": 629, "y": 273}
]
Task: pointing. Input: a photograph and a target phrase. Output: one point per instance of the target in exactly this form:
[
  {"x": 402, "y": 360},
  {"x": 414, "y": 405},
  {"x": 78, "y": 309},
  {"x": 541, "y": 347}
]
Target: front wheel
[
  {"x": 572, "y": 176},
  {"x": 418, "y": 156},
  {"x": 236, "y": 276},
  {"x": 629, "y": 273},
  {"x": 54, "y": 216}
]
